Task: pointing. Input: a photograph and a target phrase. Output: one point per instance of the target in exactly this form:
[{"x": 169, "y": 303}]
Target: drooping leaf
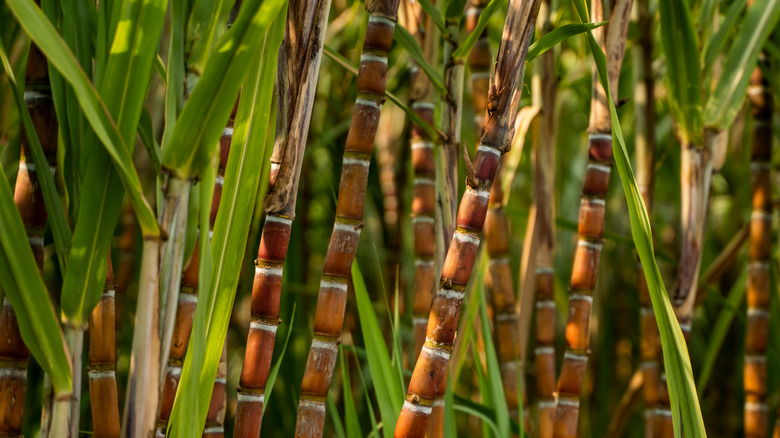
[
  {"x": 463, "y": 51},
  {"x": 409, "y": 43},
  {"x": 555, "y": 36}
]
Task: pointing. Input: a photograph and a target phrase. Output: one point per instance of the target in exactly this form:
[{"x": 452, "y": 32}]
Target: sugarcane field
[{"x": 389, "y": 218}]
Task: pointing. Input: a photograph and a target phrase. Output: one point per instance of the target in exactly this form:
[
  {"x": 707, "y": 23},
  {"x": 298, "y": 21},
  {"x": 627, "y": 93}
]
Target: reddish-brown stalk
[
  {"x": 591, "y": 222},
  {"x": 298, "y": 69},
  {"x": 644, "y": 108},
  {"x": 103, "y": 398},
  {"x": 332, "y": 297},
  {"x": 758, "y": 281},
  {"x": 503, "y": 98},
  {"x": 543, "y": 90},
  {"x": 28, "y": 198},
  {"x": 188, "y": 299}
]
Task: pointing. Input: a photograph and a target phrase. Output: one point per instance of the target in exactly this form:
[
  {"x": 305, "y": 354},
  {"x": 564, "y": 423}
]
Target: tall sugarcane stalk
[
  {"x": 503, "y": 99},
  {"x": 591, "y": 221},
  {"x": 188, "y": 299},
  {"x": 299, "y": 62},
  {"x": 497, "y": 234},
  {"x": 424, "y": 199},
  {"x": 103, "y": 398},
  {"x": 543, "y": 93},
  {"x": 758, "y": 280},
  {"x": 644, "y": 126},
  {"x": 28, "y": 198},
  {"x": 332, "y": 297}
]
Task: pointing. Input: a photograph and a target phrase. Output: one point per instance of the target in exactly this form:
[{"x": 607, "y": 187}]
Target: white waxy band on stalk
[
  {"x": 419, "y": 320},
  {"x": 368, "y": 102},
  {"x": 279, "y": 219},
  {"x": 545, "y": 304},
  {"x": 483, "y": 194},
  {"x": 422, "y": 220},
  {"x": 347, "y": 228},
  {"x": 542, "y": 351},
  {"x": 506, "y": 316},
  {"x": 761, "y": 215},
  {"x": 575, "y": 356},
  {"x": 754, "y": 406},
  {"x": 600, "y": 137},
  {"x": 422, "y": 145},
  {"x": 268, "y": 272},
  {"x": 418, "y": 408},
  {"x": 546, "y": 404},
  {"x": 595, "y": 201},
  {"x": 215, "y": 429},
  {"x": 184, "y": 297},
  {"x": 754, "y": 358},
  {"x": 251, "y": 398},
  {"x": 581, "y": 297},
  {"x": 474, "y": 11},
  {"x": 102, "y": 374},
  {"x": 356, "y": 161},
  {"x": 424, "y": 181},
  {"x": 422, "y": 105},
  {"x": 489, "y": 150},
  {"x": 32, "y": 95},
  {"x": 544, "y": 270},
  {"x": 227, "y": 131},
  {"x": 326, "y": 284},
  {"x": 6, "y": 302},
  {"x": 258, "y": 325},
  {"x": 220, "y": 380},
  {"x": 438, "y": 401},
  {"x": 686, "y": 327},
  {"x": 480, "y": 75},
  {"x": 499, "y": 261},
  {"x": 758, "y": 313},
  {"x": 572, "y": 402},
  {"x": 13, "y": 373},
  {"x": 598, "y": 168},
  {"x": 219, "y": 180},
  {"x": 423, "y": 263},
  {"x": 436, "y": 352},
  {"x": 35, "y": 240},
  {"x": 760, "y": 265},
  {"x": 174, "y": 370},
  {"x": 312, "y": 404},
  {"x": 323, "y": 345},
  {"x": 466, "y": 238},
  {"x": 380, "y": 19},
  {"x": 589, "y": 244},
  {"x": 450, "y": 294},
  {"x": 109, "y": 293},
  {"x": 368, "y": 57},
  {"x": 211, "y": 234},
  {"x": 663, "y": 412},
  {"x": 648, "y": 364}
]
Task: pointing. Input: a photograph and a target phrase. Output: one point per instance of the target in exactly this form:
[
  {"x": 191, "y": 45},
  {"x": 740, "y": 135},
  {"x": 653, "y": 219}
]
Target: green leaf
[
  {"x": 435, "y": 15},
  {"x": 174, "y": 92},
  {"x": 720, "y": 329},
  {"x": 22, "y": 283},
  {"x": 686, "y": 413},
  {"x": 350, "y": 412},
  {"x": 41, "y": 31},
  {"x": 683, "y": 73},
  {"x": 713, "y": 46},
  {"x": 724, "y": 103},
  {"x": 554, "y": 37},
  {"x": 455, "y": 9},
  {"x": 57, "y": 217},
  {"x": 463, "y": 51},
  {"x": 496, "y": 388},
  {"x": 194, "y": 142},
  {"x": 269, "y": 384},
  {"x": 215, "y": 302},
  {"x": 409, "y": 43},
  {"x": 450, "y": 427},
  {"x": 389, "y": 390},
  {"x": 486, "y": 419}
]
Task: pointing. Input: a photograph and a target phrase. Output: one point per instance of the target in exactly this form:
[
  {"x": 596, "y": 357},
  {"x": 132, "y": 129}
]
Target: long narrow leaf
[
  {"x": 686, "y": 412},
  {"x": 554, "y": 37},
  {"x": 22, "y": 283},
  {"x": 724, "y": 103},
  {"x": 409, "y": 43},
  {"x": 57, "y": 217},
  {"x": 463, "y": 51}
]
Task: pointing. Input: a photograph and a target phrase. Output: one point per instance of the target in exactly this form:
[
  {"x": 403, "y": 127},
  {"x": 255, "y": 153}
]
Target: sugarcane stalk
[
  {"x": 591, "y": 222},
  {"x": 543, "y": 93},
  {"x": 644, "y": 108},
  {"x": 28, "y": 198},
  {"x": 215, "y": 419},
  {"x": 103, "y": 398},
  {"x": 423, "y": 210},
  {"x": 188, "y": 295},
  {"x": 332, "y": 297},
  {"x": 758, "y": 281},
  {"x": 503, "y": 99},
  {"x": 140, "y": 411},
  {"x": 299, "y": 61}
]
